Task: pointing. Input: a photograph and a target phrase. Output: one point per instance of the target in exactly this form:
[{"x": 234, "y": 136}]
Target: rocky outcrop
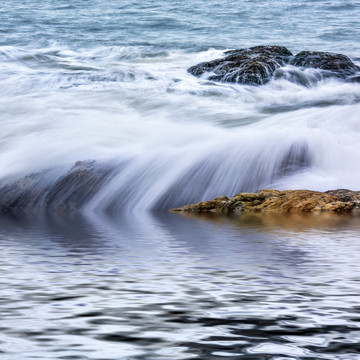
[
  {"x": 258, "y": 65},
  {"x": 49, "y": 191},
  {"x": 274, "y": 201},
  {"x": 332, "y": 64},
  {"x": 255, "y": 65}
]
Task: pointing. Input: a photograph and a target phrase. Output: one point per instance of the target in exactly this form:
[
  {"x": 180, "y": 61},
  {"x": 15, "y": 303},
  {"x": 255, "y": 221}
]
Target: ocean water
[{"x": 107, "y": 80}]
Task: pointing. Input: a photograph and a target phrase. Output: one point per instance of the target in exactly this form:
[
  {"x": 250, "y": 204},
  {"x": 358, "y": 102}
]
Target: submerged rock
[
  {"x": 49, "y": 191},
  {"x": 254, "y": 65},
  {"x": 258, "y": 65},
  {"x": 289, "y": 201}
]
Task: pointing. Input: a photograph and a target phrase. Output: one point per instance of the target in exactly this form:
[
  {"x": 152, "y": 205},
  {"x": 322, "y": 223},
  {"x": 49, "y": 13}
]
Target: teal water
[{"x": 193, "y": 25}]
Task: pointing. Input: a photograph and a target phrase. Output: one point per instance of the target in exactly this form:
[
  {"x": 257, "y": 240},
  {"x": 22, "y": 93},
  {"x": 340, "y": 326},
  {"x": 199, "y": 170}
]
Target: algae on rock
[{"x": 288, "y": 201}]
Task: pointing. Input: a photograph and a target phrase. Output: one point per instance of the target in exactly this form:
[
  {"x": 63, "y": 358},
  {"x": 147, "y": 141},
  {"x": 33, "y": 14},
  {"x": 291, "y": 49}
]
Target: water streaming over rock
[
  {"x": 170, "y": 137},
  {"x": 98, "y": 113},
  {"x": 115, "y": 88}
]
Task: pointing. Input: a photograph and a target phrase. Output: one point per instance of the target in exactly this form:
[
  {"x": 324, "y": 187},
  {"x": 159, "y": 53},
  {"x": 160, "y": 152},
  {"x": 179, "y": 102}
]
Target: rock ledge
[{"x": 289, "y": 201}]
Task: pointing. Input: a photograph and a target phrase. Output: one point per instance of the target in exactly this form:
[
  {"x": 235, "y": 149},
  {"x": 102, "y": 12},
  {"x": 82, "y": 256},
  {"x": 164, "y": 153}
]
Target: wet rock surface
[
  {"x": 258, "y": 65},
  {"x": 255, "y": 65},
  {"x": 48, "y": 191},
  {"x": 288, "y": 201},
  {"x": 335, "y": 64}
]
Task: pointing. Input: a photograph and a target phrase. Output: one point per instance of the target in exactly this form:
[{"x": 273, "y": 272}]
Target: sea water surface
[{"x": 107, "y": 81}]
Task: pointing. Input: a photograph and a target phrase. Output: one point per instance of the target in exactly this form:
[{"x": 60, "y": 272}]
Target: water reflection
[{"x": 164, "y": 286}]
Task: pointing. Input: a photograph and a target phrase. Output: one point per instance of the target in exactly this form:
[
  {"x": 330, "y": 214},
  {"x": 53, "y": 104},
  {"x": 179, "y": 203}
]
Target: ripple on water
[{"x": 239, "y": 289}]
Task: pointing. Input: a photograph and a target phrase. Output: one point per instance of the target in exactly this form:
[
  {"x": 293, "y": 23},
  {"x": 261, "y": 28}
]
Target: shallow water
[{"x": 164, "y": 286}]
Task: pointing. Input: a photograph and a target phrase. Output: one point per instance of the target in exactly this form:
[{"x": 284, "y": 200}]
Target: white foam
[{"x": 183, "y": 139}]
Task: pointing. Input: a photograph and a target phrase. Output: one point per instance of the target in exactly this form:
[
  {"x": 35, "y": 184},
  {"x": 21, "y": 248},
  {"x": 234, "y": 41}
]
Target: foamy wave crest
[{"x": 167, "y": 137}]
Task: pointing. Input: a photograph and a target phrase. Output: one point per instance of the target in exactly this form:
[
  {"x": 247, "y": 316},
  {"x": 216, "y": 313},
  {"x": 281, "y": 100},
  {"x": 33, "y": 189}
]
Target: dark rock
[
  {"x": 296, "y": 158},
  {"x": 345, "y": 194},
  {"x": 258, "y": 64},
  {"x": 276, "y": 52},
  {"x": 335, "y": 64},
  {"x": 48, "y": 191},
  {"x": 73, "y": 190},
  {"x": 254, "y": 65},
  {"x": 354, "y": 78}
]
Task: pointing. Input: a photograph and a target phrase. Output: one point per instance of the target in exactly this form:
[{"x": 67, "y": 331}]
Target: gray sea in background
[
  {"x": 190, "y": 25},
  {"x": 123, "y": 278}
]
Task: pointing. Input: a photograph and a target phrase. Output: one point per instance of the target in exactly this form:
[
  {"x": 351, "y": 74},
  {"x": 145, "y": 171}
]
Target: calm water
[
  {"x": 162, "y": 286},
  {"x": 107, "y": 80}
]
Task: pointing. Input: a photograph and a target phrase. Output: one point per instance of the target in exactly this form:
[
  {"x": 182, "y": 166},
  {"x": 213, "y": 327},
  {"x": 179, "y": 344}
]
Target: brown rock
[{"x": 289, "y": 201}]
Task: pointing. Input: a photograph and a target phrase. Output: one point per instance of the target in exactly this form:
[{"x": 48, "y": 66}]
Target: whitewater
[
  {"x": 81, "y": 94},
  {"x": 98, "y": 114}
]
